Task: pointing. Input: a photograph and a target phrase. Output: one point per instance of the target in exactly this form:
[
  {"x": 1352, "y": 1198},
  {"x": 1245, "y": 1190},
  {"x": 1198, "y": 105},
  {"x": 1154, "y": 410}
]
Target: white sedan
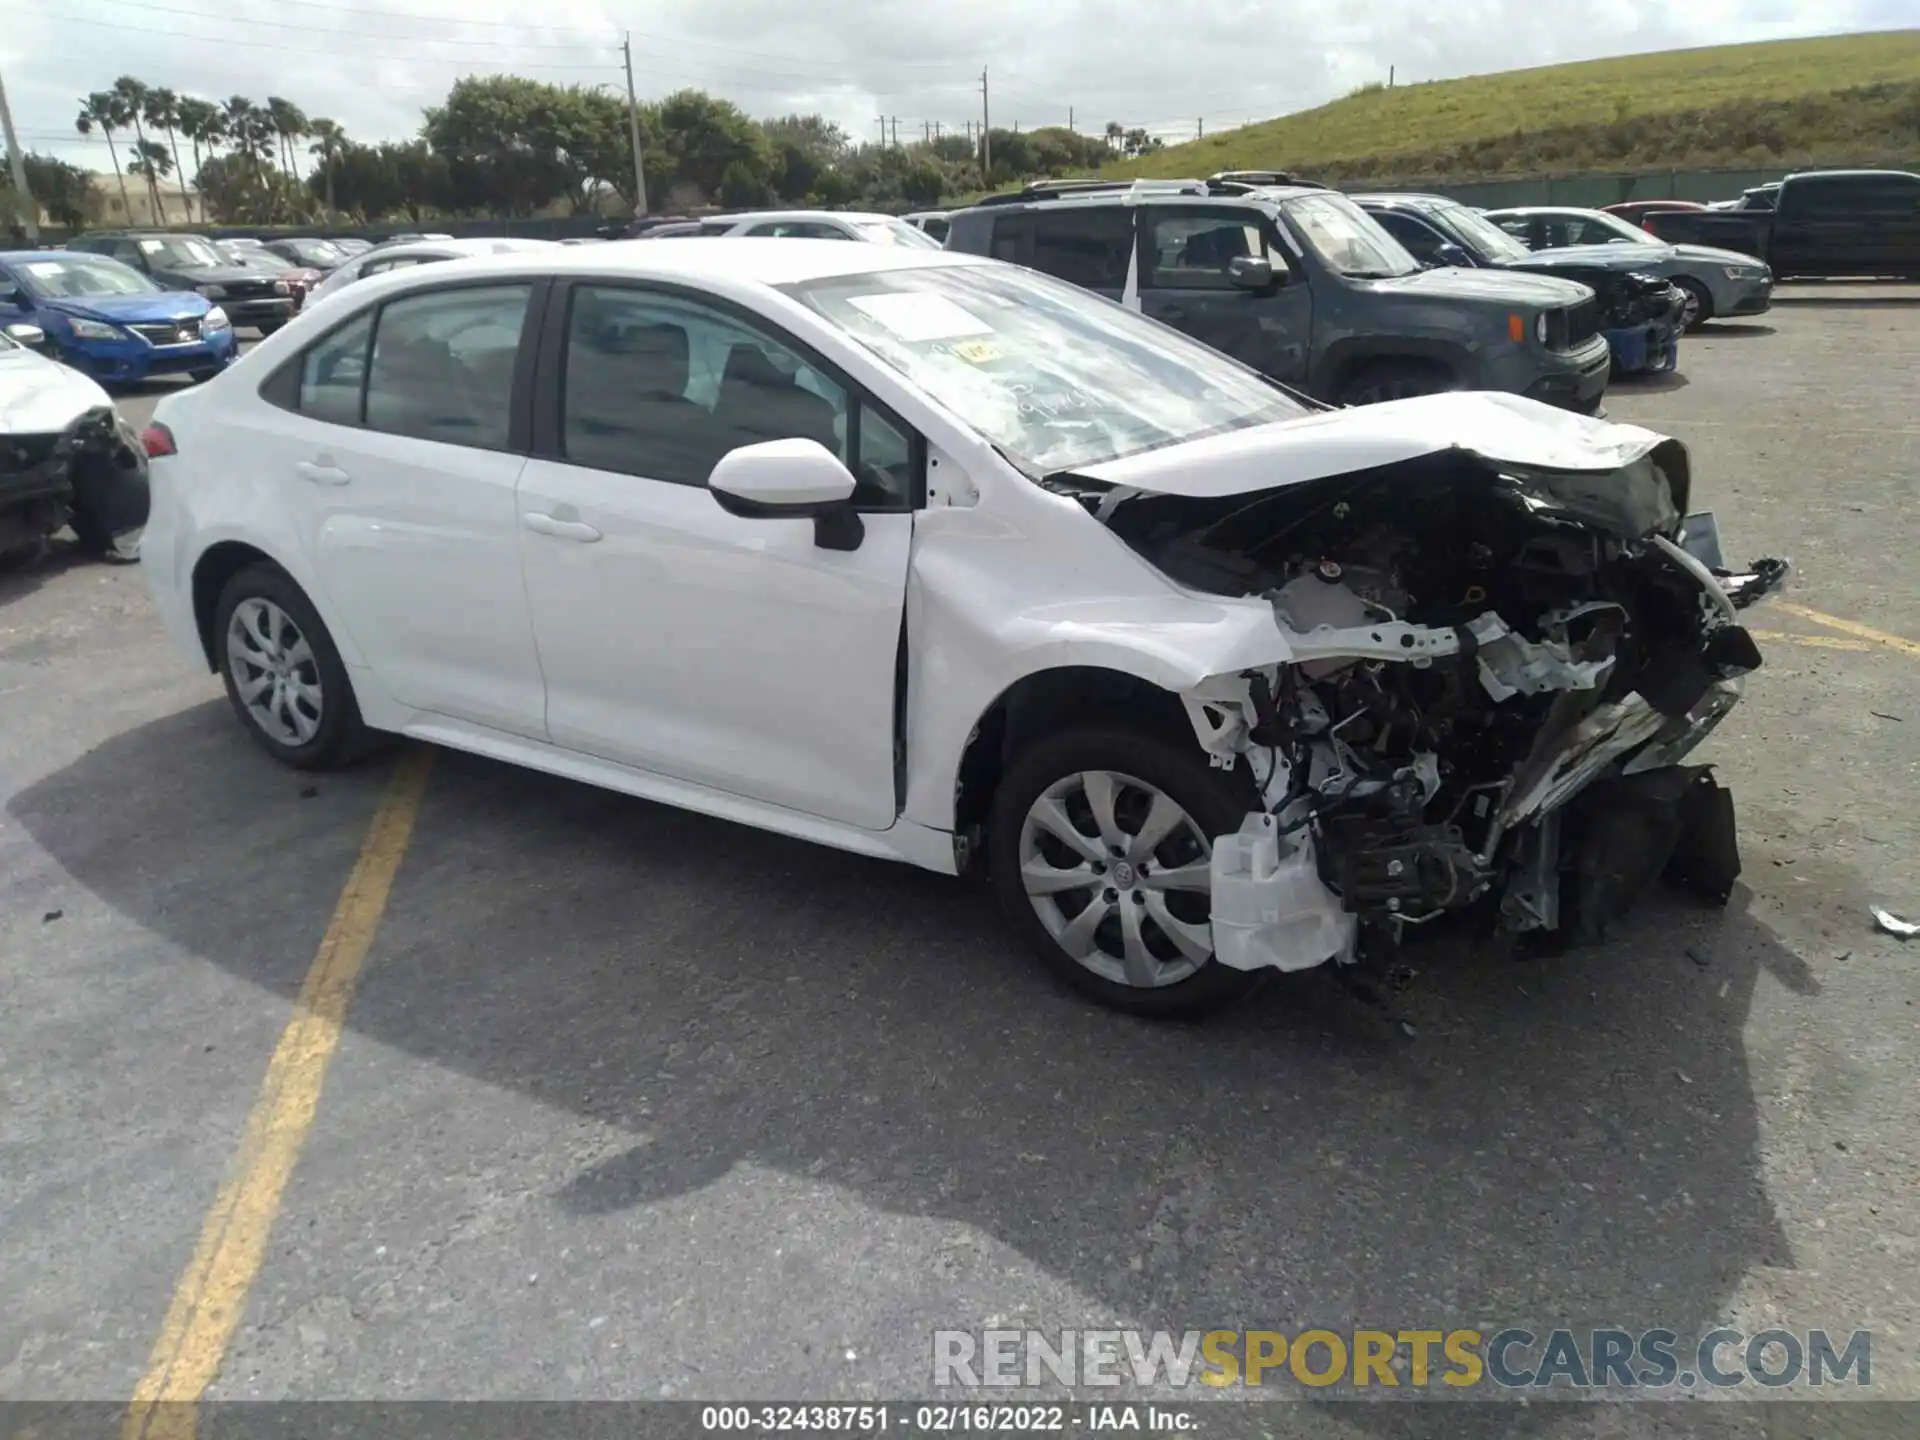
[
  {"x": 428, "y": 250},
  {"x": 937, "y": 559}
]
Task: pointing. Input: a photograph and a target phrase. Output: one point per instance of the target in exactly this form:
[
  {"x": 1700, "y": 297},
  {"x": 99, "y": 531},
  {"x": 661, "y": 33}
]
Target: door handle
[
  {"x": 560, "y": 529},
  {"x": 320, "y": 474}
]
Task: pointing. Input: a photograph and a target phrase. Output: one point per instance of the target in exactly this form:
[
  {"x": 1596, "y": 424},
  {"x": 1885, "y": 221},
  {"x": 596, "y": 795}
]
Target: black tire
[
  {"x": 1216, "y": 800},
  {"x": 200, "y": 377},
  {"x": 1698, "y": 298},
  {"x": 1380, "y": 380},
  {"x": 267, "y": 327},
  {"x": 341, "y": 737}
]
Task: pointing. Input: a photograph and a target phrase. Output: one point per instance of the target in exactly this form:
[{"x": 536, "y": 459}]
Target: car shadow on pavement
[
  {"x": 23, "y": 573},
  {"x": 1565, "y": 1142},
  {"x": 1651, "y": 384},
  {"x": 1734, "y": 330}
]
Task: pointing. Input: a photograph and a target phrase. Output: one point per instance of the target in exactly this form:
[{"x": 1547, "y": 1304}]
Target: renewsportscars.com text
[{"x": 1502, "y": 1360}]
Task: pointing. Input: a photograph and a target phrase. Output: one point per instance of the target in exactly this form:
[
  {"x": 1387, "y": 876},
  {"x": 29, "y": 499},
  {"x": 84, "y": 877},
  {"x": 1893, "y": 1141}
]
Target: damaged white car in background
[{"x": 934, "y": 558}]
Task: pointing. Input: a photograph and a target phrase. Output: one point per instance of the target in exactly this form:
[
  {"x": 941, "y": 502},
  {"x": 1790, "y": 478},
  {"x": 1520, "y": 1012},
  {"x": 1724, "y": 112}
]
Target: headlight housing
[
  {"x": 1744, "y": 272},
  {"x": 212, "y": 292},
  {"x": 280, "y": 287},
  {"x": 1540, "y": 328},
  {"x": 214, "y": 319},
  {"x": 94, "y": 330}
]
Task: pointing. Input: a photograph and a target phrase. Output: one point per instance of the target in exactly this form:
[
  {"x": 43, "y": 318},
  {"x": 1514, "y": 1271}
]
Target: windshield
[
  {"x": 894, "y": 232},
  {"x": 1347, "y": 238},
  {"x": 316, "y": 252},
  {"x": 1482, "y": 234},
  {"x": 79, "y": 277},
  {"x": 188, "y": 252},
  {"x": 1054, "y": 376}
]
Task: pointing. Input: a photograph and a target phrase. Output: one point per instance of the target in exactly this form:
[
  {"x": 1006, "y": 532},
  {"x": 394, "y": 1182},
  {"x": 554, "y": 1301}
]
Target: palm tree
[
  {"x": 289, "y": 124},
  {"x": 163, "y": 113},
  {"x": 133, "y": 95},
  {"x": 155, "y": 165},
  {"x": 330, "y": 140},
  {"x": 200, "y": 122},
  {"x": 104, "y": 111}
]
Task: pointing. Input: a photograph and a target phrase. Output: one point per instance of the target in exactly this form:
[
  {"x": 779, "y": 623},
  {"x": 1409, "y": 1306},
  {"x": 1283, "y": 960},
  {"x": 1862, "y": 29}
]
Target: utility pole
[
  {"x": 1070, "y": 129},
  {"x": 896, "y": 132},
  {"x": 17, "y": 162},
  {"x": 633, "y": 130},
  {"x": 1390, "y": 70},
  {"x": 986, "y": 138}
]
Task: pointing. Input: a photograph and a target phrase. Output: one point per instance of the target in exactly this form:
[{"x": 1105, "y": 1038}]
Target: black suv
[
  {"x": 1303, "y": 285},
  {"x": 192, "y": 262}
]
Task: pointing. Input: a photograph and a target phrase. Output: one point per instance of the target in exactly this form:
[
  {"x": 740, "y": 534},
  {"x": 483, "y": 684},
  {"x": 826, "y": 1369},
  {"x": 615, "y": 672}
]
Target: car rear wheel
[
  {"x": 1100, "y": 853},
  {"x": 284, "y": 677},
  {"x": 1698, "y": 307},
  {"x": 1394, "y": 380}
]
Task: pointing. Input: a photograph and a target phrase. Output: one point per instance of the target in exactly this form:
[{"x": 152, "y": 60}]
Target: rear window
[{"x": 1084, "y": 247}]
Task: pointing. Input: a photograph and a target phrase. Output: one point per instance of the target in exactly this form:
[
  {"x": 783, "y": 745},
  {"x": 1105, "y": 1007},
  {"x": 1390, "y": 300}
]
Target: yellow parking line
[
  {"x": 1852, "y": 627},
  {"x": 1822, "y": 642},
  {"x": 233, "y": 1240}
]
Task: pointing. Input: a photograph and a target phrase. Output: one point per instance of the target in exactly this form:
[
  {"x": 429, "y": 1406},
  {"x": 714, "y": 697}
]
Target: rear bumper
[
  {"x": 1576, "y": 379},
  {"x": 134, "y": 359}
]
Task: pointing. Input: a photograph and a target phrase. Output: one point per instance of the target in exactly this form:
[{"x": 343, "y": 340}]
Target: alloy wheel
[
  {"x": 1120, "y": 876},
  {"x": 274, "y": 672}
]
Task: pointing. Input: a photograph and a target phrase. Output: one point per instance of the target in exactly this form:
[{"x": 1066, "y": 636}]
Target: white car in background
[
  {"x": 872, "y": 229},
  {"x": 406, "y": 254},
  {"x": 941, "y": 560}
]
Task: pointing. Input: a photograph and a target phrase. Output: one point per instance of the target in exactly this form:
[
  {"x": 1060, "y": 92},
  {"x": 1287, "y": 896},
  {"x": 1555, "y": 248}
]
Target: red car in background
[{"x": 1638, "y": 210}]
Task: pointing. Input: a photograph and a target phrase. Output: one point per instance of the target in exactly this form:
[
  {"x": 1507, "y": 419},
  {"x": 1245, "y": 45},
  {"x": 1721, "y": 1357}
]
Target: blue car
[{"x": 109, "y": 321}]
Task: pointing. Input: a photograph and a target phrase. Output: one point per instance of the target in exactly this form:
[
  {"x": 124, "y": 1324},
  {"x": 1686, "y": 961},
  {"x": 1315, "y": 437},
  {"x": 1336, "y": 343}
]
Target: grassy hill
[{"x": 1835, "y": 98}]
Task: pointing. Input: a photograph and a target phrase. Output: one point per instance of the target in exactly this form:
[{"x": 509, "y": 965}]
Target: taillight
[{"x": 158, "y": 440}]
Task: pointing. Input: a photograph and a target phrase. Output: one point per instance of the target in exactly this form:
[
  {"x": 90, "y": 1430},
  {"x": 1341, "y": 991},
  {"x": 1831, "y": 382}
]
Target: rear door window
[
  {"x": 1190, "y": 249},
  {"x": 1085, "y": 246},
  {"x": 333, "y": 374},
  {"x": 1420, "y": 239},
  {"x": 442, "y": 364}
]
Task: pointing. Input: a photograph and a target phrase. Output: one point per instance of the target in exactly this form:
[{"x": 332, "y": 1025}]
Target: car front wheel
[
  {"x": 283, "y": 675},
  {"x": 1100, "y": 852},
  {"x": 1698, "y": 307}
]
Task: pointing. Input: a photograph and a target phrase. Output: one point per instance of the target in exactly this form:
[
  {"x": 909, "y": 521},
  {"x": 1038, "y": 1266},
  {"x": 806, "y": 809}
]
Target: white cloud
[{"x": 374, "y": 66}]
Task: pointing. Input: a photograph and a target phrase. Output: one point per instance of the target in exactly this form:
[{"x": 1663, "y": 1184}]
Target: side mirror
[
  {"x": 1251, "y": 272},
  {"x": 791, "y": 480},
  {"x": 31, "y": 336},
  {"x": 1448, "y": 253}
]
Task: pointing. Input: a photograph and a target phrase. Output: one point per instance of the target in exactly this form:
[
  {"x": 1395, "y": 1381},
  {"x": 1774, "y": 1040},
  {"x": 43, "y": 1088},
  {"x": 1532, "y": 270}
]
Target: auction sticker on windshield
[{"x": 917, "y": 316}]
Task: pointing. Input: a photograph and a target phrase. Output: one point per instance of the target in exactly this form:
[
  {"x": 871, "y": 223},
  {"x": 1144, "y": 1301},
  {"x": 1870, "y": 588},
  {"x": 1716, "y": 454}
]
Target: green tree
[
  {"x": 133, "y": 94},
  {"x": 496, "y": 134},
  {"x": 201, "y": 122},
  {"x": 328, "y": 141},
  {"x": 162, "y": 110},
  {"x": 65, "y": 192},
  {"x": 153, "y": 164},
  {"x": 805, "y": 149},
  {"x": 706, "y": 136},
  {"x": 290, "y": 125},
  {"x": 106, "y": 112}
]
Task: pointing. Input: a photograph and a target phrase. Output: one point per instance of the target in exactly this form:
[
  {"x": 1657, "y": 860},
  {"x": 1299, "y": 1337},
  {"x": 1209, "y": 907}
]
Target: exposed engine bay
[
  {"x": 91, "y": 475},
  {"x": 1495, "y": 674}
]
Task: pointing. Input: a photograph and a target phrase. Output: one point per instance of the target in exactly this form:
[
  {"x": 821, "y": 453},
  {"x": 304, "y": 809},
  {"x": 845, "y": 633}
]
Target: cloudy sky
[{"x": 373, "y": 65}]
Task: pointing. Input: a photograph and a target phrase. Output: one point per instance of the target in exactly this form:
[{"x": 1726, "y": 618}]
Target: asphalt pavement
[{"x": 633, "y": 1103}]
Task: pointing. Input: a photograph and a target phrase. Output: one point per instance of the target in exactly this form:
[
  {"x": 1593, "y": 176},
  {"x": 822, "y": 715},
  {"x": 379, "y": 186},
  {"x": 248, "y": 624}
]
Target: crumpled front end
[{"x": 1486, "y": 680}]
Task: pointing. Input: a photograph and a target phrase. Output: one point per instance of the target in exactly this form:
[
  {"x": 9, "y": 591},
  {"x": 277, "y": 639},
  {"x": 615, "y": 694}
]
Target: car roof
[
  {"x": 1548, "y": 210},
  {"x": 21, "y": 256},
  {"x": 761, "y": 260},
  {"x": 1413, "y": 199},
  {"x": 1842, "y": 175},
  {"x": 473, "y": 245},
  {"x": 756, "y": 215}
]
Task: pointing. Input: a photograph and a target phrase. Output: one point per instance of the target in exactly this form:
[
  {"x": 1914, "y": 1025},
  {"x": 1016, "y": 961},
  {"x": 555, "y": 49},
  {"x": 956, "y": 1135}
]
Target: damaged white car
[{"x": 933, "y": 558}]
